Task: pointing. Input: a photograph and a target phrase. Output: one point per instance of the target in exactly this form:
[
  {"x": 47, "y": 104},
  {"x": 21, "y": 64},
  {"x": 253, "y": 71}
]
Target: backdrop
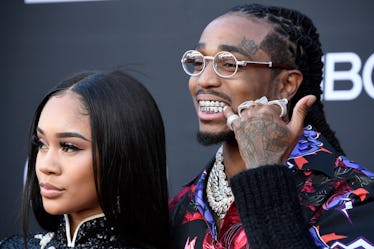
[{"x": 42, "y": 44}]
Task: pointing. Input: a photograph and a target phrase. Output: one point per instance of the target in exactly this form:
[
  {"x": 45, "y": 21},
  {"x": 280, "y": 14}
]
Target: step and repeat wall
[{"x": 43, "y": 42}]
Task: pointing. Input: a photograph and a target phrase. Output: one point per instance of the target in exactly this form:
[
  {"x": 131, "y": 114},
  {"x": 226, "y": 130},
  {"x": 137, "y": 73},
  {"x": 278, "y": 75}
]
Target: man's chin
[{"x": 205, "y": 138}]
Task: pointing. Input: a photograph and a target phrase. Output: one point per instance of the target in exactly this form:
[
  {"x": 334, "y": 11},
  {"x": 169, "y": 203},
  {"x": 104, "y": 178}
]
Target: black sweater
[{"x": 269, "y": 208}]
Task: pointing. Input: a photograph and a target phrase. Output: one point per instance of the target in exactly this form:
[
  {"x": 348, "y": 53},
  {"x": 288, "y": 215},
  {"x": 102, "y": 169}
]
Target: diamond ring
[
  {"x": 282, "y": 103},
  {"x": 231, "y": 119}
]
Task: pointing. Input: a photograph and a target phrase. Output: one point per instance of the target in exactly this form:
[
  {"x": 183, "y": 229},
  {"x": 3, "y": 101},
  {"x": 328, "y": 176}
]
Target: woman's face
[{"x": 64, "y": 161}]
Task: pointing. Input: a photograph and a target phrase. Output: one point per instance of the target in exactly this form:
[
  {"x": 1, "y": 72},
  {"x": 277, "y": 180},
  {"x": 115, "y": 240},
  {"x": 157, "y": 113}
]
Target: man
[{"x": 255, "y": 82}]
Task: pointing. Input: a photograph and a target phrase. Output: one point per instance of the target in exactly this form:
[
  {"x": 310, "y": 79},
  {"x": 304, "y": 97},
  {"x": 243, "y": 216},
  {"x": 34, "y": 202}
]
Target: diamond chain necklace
[{"x": 218, "y": 191}]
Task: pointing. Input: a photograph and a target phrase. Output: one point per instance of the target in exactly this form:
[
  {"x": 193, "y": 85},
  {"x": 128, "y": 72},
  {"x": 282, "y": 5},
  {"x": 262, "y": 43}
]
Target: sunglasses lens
[{"x": 193, "y": 62}]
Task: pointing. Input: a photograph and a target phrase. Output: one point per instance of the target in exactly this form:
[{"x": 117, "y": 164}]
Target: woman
[{"x": 97, "y": 167}]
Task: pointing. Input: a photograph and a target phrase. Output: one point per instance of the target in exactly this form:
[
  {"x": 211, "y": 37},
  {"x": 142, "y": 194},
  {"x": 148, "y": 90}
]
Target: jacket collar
[{"x": 312, "y": 152}]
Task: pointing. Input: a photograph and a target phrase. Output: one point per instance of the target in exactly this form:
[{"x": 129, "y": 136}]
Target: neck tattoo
[{"x": 218, "y": 191}]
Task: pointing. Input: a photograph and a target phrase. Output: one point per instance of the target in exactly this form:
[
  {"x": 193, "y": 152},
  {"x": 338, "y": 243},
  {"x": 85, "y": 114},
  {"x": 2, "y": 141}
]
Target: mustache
[{"x": 214, "y": 92}]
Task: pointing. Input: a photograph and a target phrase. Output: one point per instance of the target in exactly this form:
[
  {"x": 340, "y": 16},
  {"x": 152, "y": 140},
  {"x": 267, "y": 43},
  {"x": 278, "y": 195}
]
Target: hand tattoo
[{"x": 262, "y": 140}]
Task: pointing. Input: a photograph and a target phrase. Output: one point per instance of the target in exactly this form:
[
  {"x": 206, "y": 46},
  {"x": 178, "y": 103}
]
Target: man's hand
[{"x": 263, "y": 137}]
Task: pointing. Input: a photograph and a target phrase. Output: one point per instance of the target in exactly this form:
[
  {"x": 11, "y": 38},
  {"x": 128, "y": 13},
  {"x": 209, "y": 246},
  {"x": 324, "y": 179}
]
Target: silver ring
[
  {"x": 231, "y": 119},
  {"x": 245, "y": 105},
  {"x": 263, "y": 101},
  {"x": 282, "y": 103}
]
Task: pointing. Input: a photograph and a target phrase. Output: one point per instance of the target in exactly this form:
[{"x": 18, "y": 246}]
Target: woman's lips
[{"x": 50, "y": 191}]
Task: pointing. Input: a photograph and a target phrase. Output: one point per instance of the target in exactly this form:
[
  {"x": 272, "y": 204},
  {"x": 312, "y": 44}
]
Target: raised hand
[{"x": 263, "y": 136}]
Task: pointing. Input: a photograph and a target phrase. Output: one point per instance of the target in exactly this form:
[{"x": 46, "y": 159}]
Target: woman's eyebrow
[
  {"x": 65, "y": 134},
  {"x": 71, "y": 134}
]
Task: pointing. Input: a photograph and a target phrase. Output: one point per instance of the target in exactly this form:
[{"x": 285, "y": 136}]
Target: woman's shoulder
[
  {"x": 14, "y": 241},
  {"x": 18, "y": 242}
]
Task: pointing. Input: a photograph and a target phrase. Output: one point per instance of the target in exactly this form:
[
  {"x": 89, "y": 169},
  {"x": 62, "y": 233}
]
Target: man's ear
[{"x": 290, "y": 81}]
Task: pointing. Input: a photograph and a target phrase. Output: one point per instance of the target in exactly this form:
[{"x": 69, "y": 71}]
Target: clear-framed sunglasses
[{"x": 224, "y": 63}]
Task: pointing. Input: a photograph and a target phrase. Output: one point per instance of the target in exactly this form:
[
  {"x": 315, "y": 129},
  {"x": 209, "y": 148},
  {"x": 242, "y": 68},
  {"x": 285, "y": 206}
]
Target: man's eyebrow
[
  {"x": 224, "y": 47},
  {"x": 230, "y": 48},
  {"x": 65, "y": 134}
]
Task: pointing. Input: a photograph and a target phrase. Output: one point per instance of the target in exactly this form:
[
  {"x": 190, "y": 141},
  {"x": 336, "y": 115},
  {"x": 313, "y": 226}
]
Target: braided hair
[{"x": 294, "y": 41}]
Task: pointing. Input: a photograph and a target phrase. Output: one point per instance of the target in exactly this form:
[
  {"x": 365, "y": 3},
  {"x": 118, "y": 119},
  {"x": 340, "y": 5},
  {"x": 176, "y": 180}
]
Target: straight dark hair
[{"x": 129, "y": 158}]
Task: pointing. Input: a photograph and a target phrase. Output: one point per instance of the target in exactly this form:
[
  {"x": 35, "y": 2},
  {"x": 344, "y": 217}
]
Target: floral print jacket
[{"x": 336, "y": 196}]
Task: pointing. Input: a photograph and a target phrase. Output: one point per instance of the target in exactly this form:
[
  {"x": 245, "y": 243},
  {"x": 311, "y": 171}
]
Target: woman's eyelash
[
  {"x": 69, "y": 147},
  {"x": 36, "y": 141}
]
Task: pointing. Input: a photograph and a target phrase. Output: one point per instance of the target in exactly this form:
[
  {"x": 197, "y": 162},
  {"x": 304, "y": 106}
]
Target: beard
[{"x": 205, "y": 138}]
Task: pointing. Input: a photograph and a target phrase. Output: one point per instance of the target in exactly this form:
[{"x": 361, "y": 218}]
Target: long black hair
[
  {"x": 129, "y": 158},
  {"x": 294, "y": 41}
]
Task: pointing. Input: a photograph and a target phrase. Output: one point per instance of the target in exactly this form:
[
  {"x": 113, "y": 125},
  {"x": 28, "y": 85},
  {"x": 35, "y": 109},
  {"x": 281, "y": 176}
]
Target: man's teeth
[{"x": 211, "y": 106}]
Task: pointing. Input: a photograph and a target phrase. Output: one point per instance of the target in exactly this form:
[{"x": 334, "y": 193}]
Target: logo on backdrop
[{"x": 348, "y": 83}]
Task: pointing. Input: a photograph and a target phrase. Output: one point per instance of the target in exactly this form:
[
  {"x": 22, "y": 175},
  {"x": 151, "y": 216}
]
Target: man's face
[{"x": 242, "y": 37}]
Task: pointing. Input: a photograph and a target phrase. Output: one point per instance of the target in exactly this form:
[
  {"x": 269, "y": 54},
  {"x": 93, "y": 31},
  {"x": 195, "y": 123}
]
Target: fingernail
[{"x": 311, "y": 101}]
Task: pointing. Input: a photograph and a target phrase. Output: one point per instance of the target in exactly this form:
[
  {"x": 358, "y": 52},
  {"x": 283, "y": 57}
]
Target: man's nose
[{"x": 208, "y": 77}]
